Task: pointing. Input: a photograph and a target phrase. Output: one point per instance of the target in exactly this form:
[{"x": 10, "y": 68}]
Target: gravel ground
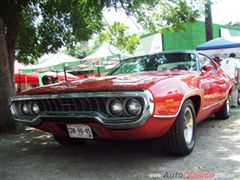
[{"x": 34, "y": 155}]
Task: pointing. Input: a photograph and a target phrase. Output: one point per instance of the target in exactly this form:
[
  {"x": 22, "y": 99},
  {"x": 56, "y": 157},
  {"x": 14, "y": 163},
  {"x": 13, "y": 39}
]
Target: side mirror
[{"x": 207, "y": 68}]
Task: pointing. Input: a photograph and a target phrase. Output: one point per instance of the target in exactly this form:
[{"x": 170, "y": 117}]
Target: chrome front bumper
[{"x": 87, "y": 116}]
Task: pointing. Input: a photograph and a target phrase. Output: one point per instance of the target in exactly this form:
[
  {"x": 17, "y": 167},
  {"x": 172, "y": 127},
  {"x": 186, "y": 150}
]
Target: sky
[{"x": 223, "y": 12}]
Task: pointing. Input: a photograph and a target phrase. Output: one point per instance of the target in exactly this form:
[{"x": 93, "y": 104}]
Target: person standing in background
[
  {"x": 217, "y": 60},
  {"x": 231, "y": 66}
]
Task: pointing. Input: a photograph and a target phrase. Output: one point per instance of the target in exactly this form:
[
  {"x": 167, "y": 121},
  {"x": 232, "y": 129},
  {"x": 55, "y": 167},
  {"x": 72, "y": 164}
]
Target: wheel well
[
  {"x": 196, "y": 103},
  {"x": 230, "y": 91}
]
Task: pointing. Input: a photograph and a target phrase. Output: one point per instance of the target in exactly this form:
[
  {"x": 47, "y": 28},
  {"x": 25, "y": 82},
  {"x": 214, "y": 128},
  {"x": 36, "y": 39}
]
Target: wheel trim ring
[{"x": 188, "y": 125}]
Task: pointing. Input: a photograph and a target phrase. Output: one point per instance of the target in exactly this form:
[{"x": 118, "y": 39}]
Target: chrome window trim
[{"x": 79, "y": 116}]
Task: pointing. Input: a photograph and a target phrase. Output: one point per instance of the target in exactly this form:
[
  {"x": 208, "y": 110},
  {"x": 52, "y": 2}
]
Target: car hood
[{"x": 143, "y": 80}]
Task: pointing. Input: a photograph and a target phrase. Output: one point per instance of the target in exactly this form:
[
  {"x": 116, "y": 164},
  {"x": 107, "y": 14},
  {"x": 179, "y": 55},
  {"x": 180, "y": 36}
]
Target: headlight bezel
[
  {"x": 125, "y": 112},
  {"x": 32, "y": 108},
  {"x": 109, "y": 107},
  {"x": 128, "y": 111},
  {"x": 25, "y": 108},
  {"x": 13, "y": 109},
  {"x": 25, "y": 105}
]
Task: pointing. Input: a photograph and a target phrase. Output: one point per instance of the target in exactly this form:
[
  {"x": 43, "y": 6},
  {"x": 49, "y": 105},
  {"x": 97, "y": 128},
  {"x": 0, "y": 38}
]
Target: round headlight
[
  {"x": 134, "y": 107},
  {"x": 25, "y": 109},
  {"x": 35, "y": 108},
  {"x": 116, "y": 107},
  {"x": 13, "y": 110}
]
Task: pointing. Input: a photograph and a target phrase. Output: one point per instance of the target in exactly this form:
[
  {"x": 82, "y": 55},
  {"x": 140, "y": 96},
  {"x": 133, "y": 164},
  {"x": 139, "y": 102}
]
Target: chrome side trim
[
  {"x": 187, "y": 95},
  {"x": 205, "y": 108},
  {"x": 165, "y": 116},
  {"x": 97, "y": 117}
]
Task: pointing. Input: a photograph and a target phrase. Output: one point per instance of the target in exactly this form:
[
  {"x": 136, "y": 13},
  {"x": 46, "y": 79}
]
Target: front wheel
[
  {"x": 224, "y": 113},
  {"x": 180, "y": 139},
  {"x": 67, "y": 141}
]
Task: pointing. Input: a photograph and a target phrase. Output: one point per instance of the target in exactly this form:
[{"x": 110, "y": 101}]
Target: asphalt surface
[{"x": 34, "y": 155}]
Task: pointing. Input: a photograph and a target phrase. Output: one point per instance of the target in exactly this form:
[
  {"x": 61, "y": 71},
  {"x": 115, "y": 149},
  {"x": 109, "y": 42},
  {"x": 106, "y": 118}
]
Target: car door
[{"x": 210, "y": 82}]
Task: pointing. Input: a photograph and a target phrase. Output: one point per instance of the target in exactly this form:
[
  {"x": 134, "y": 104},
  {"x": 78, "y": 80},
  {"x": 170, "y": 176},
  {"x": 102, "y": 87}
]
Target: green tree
[
  {"x": 118, "y": 36},
  {"x": 78, "y": 50},
  {"x": 166, "y": 15},
  {"x": 30, "y": 28}
]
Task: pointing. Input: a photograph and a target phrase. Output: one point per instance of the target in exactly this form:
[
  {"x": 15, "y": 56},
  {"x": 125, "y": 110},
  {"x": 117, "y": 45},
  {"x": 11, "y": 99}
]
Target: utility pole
[{"x": 208, "y": 21}]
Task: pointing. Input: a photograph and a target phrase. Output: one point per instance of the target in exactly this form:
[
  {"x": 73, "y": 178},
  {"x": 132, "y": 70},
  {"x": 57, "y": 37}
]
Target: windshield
[{"x": 157, "y": 62}]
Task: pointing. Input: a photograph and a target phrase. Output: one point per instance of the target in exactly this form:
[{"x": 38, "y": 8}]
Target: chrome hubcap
[
  {"x": 188, "y": 125},
  {"x": 228, "y": 106}
]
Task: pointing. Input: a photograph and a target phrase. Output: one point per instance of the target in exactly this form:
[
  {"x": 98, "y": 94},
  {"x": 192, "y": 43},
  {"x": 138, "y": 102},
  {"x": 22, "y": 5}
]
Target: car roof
[{"x": 164, "y": 52}]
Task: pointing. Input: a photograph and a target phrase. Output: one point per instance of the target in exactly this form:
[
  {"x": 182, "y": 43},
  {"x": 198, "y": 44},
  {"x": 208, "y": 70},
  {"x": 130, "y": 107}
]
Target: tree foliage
[
  {"x": 153, "y": 16},
  {"x": 79, "y": 50},
  {"x": 165, "y": 15},
  {"x": 118, "y": 36},
  {"x": 47, "y": 25}
]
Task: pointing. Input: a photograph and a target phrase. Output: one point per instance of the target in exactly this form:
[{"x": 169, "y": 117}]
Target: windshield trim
[{"x": 116, "y": 68}]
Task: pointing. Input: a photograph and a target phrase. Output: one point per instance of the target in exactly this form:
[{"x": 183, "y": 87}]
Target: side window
[{"x": 203, "y": 60}]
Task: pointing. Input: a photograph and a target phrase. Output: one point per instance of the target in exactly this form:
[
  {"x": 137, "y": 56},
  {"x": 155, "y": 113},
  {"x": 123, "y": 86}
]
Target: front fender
[{"x": 168, "y": 101}]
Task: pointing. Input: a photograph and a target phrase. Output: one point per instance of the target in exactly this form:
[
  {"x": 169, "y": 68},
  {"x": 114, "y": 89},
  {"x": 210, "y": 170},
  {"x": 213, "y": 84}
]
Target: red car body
[{"x": 161, "y": 94}]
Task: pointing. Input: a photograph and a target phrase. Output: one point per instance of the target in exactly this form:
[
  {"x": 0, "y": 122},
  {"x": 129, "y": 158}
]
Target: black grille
[{"x": 72, "y": 105}]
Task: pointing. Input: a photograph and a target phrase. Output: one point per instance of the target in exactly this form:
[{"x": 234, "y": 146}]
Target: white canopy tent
[
  {"x": 106, "y": 56},
  {"x": 58, "y": 61},
  {"x": 53, "y": 62},
  {"x": 149, "y": 44},
  {"x": 105, "y": 51}
]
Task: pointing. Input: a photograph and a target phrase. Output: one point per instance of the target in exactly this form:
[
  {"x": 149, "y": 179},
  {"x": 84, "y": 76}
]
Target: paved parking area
[{"x": 34, "y": 155}]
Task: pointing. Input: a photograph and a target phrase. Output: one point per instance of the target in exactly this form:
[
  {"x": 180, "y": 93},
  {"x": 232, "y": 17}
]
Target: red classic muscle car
[{"x": 162, "y": 95}]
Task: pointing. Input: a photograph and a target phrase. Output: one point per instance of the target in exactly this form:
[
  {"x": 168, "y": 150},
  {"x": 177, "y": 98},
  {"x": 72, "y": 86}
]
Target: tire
[
  {"x": 224, "y": 113},
  {"x": 67, "y": 141},
  {"x": 180, "y": 139}
]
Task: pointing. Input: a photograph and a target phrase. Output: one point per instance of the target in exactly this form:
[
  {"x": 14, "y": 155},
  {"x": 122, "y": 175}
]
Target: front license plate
[{"x": 79, "y": 131}]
